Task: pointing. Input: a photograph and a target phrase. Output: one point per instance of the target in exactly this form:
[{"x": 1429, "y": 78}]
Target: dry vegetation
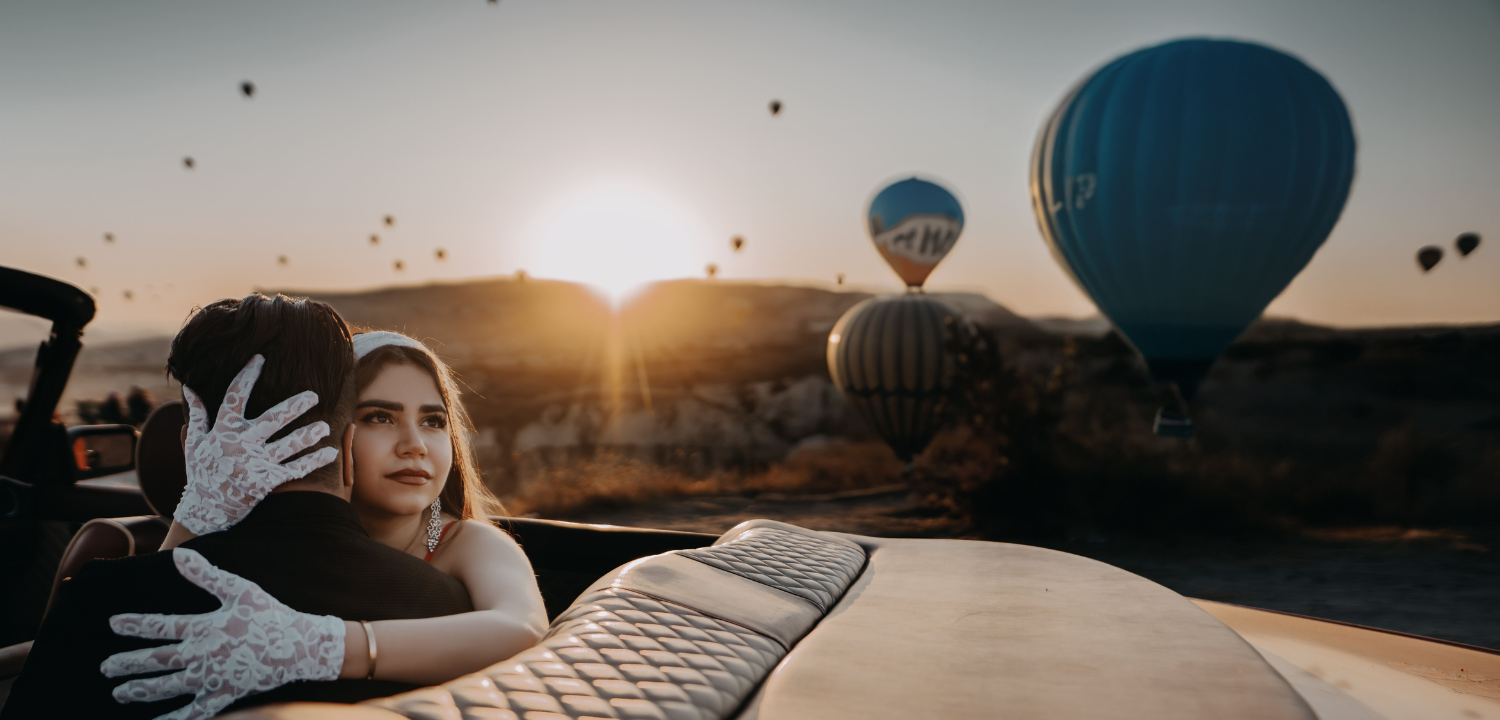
[
  {"x": 610, "y": 480},
  {"x": 1330, "y": 430},
  {"x": 1299, "y": 429}
]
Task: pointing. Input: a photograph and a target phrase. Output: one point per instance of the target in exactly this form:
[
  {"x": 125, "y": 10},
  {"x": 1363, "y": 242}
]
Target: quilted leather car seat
[{"x": 686, "y": 635}]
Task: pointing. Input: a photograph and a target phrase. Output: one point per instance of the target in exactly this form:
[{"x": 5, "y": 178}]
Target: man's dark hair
[{"x": 306, "y": 345}]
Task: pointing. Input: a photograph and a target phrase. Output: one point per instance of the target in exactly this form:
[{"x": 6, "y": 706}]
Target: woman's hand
[
  {"x": 231, "y": 467},
  {"x": 251, "y": 644}
]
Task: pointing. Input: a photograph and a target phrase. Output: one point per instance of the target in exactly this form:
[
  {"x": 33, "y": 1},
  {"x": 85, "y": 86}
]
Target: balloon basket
[{"x": 1170, "y": 423}]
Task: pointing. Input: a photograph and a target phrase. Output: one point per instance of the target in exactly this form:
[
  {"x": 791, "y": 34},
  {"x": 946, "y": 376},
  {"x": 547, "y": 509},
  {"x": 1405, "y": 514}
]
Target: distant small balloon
[
  {"x": 400, "y": 266},
  {"x": 390, "y": 221},
  {"x": 775, "y": 107},
  {"x": 1428, "y": 257},
  {"x": 441, "y": 254},
  {"x": 247, "y": 88},
  {"x": 129, "y": 295},
  {"x": 188, "y": 163},
  {"x": 520, "y": 276},
  {"x": 82, "y": 262},
  {"x": 93, "y": 289},
  {"x": 738, "y": 242},
  {"x": 712, "y": 269},
  {"x": 841, "y": 278},
  {"x": 282, "y": 260},
  {"x": 109, "y": 237},
  {"x": 914, "y": 223},
  {"x": 374, "y": 239},
  {"x": 1466, "y": 243}
]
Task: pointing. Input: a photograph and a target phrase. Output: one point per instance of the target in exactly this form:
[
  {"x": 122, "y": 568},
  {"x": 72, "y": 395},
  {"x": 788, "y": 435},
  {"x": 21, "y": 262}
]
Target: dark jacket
[{"x": 307, "y": 549}]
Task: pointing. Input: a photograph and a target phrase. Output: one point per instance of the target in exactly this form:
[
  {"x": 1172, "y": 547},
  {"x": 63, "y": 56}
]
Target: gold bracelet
[{"x": 370, "y": 636}]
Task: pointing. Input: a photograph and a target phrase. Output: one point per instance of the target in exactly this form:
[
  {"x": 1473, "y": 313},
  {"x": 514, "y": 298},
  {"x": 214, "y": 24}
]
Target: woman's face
[{"x": 402, "y": 450}]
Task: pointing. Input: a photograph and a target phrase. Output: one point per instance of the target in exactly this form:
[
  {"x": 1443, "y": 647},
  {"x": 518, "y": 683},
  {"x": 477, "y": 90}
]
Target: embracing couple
[{"x": 331, "y": 544}]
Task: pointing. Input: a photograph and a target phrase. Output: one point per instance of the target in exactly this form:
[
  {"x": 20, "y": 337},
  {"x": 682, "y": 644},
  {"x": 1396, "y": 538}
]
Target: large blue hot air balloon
[{"x": 1183, "y": 186}]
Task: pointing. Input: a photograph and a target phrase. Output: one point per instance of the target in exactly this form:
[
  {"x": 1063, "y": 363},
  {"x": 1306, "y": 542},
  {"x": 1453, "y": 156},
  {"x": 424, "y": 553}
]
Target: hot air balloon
[
  {"x": 520, "y": 276},
  {"x": 889, "y": 356},
  {"x": 712, "y": 269},
  {"x": 282, "y": 260},
  {"x": 1466, "y": 243},
  {"x": 775, "y": 108},
  {"x": 1428, "y": 257},
  {"x": 188, "y": 163},
  {"x": 94, "y": 290},
  {"x": 440, "y": 253},
  {"x": 247, "y": 89},
  {"x": 399, "y": 265},
  {"x": 737, "y": 242},
  {"x": 374, "y": 239},
  {"x": 129, "y": 295},
  {"x": 390, "y": 221},
  {"x": 82, "y": 262},
  {"x": 914, "y": 224},
  {"x": 109, "y": 237},
  {"x": 1183, "y": 186},
  {"x": 840, "y": 278}
]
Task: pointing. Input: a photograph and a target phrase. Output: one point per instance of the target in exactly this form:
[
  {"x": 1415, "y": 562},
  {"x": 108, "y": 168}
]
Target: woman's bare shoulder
[{"x": 482, "y": 541}]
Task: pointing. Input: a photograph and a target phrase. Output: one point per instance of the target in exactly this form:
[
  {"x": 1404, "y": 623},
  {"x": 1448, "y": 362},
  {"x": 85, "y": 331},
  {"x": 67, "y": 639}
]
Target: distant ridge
[{"x": 537, "y": 319}]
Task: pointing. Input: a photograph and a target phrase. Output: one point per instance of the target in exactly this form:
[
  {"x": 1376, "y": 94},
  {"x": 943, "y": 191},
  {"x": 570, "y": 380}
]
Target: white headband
[{"x": 365, "y": 343}]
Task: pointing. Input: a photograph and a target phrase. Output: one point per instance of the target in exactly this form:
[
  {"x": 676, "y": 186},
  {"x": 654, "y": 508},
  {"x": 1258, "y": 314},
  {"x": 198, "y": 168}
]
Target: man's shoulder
[
  {"x": 140, "y": 583},
  {"x": 127, "y": 570},
  {"x": 327, "y": 570}
]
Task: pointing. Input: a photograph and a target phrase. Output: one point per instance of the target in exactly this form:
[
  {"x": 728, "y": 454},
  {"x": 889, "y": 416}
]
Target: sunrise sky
[{"x": 619, "y": 142}]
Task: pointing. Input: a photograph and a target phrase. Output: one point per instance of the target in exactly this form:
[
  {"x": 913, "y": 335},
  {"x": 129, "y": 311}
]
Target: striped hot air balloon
[
  {"x": 1183, "y": 186},
  {"x": 889, "y": 357}
]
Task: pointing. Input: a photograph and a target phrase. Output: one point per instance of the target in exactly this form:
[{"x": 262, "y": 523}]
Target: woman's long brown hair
[{"x": 464, "y": 494}]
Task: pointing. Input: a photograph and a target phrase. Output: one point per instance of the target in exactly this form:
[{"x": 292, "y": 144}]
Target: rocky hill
[{"x": 688, "y": 373}]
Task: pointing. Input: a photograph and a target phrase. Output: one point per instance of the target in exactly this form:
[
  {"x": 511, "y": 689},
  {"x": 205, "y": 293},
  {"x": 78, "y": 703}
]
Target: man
[{"x": 303, "y": 544}]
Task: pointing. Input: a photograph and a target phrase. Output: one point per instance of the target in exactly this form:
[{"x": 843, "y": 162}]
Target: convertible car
[{"x": 767, "y": 621}]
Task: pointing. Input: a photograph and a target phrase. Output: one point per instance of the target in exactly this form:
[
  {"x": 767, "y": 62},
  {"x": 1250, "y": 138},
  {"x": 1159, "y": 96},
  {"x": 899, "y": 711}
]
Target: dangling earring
[{"x": 435, "y": 525}]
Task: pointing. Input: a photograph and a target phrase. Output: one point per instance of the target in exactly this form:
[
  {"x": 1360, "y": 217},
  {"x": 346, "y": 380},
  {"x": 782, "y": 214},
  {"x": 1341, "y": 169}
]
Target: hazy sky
[{"x": 631, "y": 141}]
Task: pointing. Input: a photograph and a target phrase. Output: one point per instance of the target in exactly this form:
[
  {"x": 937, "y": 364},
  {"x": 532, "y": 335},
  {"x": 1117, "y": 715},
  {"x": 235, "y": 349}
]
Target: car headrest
[{"x": 158, "y": 458}]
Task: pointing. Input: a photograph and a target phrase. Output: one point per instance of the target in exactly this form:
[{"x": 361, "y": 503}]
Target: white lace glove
[
  {"x": 251, "y": 644},
  {"x": 231, "y": 468}
]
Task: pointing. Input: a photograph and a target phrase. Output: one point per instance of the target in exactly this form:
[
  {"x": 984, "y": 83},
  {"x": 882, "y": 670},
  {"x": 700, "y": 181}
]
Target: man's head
[{"x": 307, "y": 347}]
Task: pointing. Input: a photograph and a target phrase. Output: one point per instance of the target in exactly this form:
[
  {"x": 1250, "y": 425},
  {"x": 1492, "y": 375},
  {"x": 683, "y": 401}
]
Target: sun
[{"x": 616, "y": 237}]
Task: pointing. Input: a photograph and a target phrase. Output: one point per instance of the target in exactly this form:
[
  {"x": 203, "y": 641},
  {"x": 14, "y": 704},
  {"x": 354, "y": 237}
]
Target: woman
[{"x": 416, "y": 489}]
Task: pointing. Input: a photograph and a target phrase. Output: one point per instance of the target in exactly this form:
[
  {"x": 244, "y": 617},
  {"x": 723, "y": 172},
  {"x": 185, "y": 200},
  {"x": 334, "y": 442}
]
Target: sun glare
[{"x": 615, "y": 237}]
